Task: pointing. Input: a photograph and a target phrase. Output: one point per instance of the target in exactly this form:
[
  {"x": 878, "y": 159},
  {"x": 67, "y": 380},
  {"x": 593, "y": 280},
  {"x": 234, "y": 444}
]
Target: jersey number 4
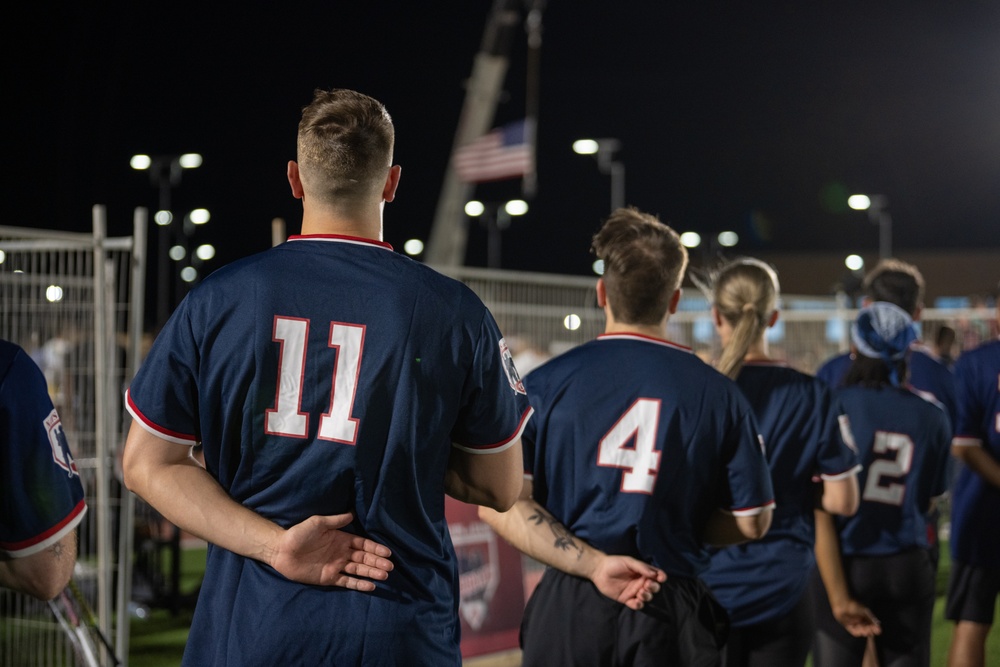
[
  {"x": 287, "y": 418},
  {"x": 640, "y": 461},
  {"x": 880, "y": 486}
]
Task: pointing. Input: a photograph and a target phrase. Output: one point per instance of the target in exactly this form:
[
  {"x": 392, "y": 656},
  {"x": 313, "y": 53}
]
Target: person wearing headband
[{"x": 876, "y": 566}]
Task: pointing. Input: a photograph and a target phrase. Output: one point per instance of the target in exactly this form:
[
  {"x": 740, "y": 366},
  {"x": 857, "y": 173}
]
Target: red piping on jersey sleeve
[
  {"x": 752, "y": 511},
  {"x": 498, "y": 447},
  {"x": 836, "y": 477},
  {"x": 155, "y": 429},
  {"x": 15, "y": 548},
  {"x": 966, "y": 441}
]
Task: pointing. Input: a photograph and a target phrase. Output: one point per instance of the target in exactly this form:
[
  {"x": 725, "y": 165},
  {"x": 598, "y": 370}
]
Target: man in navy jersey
[
  {"x": 975, "y": 542},
  {"x": 339, "y": 390},
  {"x": 41, "y": 497},
  {"x": 640, "y": 449}
]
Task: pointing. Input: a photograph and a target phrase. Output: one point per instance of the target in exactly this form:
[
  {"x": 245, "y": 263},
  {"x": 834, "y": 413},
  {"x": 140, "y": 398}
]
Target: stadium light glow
[
  {"x": 585, "y": 147},
  {"x": 690, "y": 239},
  {"x": 572, "y": 321},
  {"x": 474, "y": 208},
  {"x": 200, "y": 216},
  {"x": 516, "y": 207},
  {"x": 53, "y": 293},
  {"x": 859, "y": 202},
  {"x": 177, "y": 253},
  {"x": 163, "y": 218},
  {"x": 854, "y": 262},
  {"x": 140, "y": 162},
  {"x": 205, "y": 252},
  {"x": 598, "y": 267},
  {"x": 413, "y": 247},
  {"x": 189, "y": 161},
  {"x": 728, "y": 239},
  {"x": 189, "y": 274},
  {"x": 3, "y": 256}
]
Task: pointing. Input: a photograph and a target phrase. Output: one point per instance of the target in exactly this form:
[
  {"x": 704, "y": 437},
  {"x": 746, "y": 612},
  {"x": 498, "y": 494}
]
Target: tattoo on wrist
[{"x": 563, "y": 538}]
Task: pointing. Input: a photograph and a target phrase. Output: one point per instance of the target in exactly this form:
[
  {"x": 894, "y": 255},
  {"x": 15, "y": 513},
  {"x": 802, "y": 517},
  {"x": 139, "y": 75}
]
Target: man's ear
[
  {"x": 294, "y": 180},
  {"x": 602, "y": 294},
  {"x": 391, "y": 183},
  {"x": 675, "y": 300}
]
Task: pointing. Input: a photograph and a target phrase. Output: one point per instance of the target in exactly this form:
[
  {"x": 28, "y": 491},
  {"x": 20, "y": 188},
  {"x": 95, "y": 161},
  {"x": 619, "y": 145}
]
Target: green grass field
[{"x": 158, "y": 641}]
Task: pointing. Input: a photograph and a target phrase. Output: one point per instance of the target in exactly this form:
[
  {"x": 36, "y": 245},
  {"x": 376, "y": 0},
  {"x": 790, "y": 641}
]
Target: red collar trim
[
  {"x": 644, "y": 338},
  {"x": 357, "y": 240}
]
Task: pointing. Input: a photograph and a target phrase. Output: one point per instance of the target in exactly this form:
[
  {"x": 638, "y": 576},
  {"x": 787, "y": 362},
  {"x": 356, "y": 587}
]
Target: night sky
[{"x": 759, "y": 118}]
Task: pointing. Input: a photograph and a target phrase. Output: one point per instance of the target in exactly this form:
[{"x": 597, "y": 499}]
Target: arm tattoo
[{"x": 563, "y": 538}]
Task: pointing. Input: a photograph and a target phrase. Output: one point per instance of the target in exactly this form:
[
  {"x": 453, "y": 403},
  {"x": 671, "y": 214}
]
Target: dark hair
[
  {"x": 875, "y": 373},
  {"x": 897, "y": 282},
  {"x": 644, "y": 263},
  {"x": 345, "y": 143}
]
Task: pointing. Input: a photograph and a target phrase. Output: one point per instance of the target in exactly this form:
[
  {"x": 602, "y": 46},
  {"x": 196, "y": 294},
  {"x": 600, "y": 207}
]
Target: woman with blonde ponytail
[{"x": 763, "y": 584}]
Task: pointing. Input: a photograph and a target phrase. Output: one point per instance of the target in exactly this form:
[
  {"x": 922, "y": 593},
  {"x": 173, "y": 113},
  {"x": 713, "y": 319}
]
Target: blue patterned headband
[{"x": 883, "y": 331}]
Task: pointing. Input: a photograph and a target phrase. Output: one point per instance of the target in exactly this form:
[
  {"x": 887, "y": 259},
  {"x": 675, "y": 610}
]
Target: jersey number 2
[
  {"x": 287, "y": 418},
  {"x": 640, "y": 461},
  {"x": 877, "y": 488}
]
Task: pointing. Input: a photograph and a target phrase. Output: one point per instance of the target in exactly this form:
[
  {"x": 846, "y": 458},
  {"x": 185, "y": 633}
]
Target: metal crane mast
[{"x": 446, "y": 246}]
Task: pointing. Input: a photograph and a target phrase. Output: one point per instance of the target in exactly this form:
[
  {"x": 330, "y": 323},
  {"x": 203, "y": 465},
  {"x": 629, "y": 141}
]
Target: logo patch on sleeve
[
  {"x": 507, "y": 359},
  {"x": 60, "y": 448}
]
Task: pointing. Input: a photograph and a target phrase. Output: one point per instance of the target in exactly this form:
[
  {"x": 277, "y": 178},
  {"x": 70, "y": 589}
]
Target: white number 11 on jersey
[
  {"x": 641, "y": 461},
  {"x": 287, "y": 418}
]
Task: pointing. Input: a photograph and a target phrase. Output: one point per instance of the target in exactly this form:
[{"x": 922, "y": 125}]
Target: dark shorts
[
  {"x": 783, "y": 641},
  {"x": 899, "y": 589},
  {"x": 972, "y": 593},
  {"x": 568, "y": 622}
]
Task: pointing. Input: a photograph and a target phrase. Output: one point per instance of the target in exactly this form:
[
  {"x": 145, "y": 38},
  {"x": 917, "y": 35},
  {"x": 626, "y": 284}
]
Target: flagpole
[{"x": 529, "y": 186}]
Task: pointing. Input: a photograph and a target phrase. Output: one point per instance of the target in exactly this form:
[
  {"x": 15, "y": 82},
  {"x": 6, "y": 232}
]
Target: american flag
[{"x": 505, "y": 152}]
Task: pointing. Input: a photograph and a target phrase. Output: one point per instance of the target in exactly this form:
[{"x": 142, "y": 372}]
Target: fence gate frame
[{"x": 112, "y": 271}]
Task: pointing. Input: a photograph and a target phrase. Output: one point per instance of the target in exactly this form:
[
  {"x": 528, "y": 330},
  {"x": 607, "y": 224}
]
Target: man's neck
[
  {"x": 328, "y": 222},
  {"x": 649, "y": 330}
]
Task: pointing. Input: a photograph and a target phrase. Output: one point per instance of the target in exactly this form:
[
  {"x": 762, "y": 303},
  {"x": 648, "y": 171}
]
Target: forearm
[
  {"x": 980, "y": 462},
  {"x": 178, "y": 487},
  {"x": 535, "y": 532},
  {"x": 831, "y": 568}
]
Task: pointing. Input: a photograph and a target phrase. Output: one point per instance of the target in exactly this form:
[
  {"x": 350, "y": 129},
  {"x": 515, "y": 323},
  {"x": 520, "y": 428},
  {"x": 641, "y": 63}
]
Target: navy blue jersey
[
  {"x": 41, "y": 497},
  {"x": 330, "y": 375},
  {"x": 903, "y": 442},
  {"x": 927, "y": 374},
  {"x": 635, "y": 442},
  {"x": 803, "y": 428},
  {"x": 975, "y": 502}
]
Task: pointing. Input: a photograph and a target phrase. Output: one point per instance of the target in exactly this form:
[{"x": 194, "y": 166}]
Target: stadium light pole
[
  {"x": 164, "y": 174},
  {"x": 877, "y": 207},
  {"x": 604, "y": 151},
  {"x": 496, "y": 218}
]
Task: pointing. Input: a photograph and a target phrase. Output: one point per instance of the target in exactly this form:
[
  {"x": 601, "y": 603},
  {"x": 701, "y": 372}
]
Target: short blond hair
[{"x": 345, "y": 144}]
